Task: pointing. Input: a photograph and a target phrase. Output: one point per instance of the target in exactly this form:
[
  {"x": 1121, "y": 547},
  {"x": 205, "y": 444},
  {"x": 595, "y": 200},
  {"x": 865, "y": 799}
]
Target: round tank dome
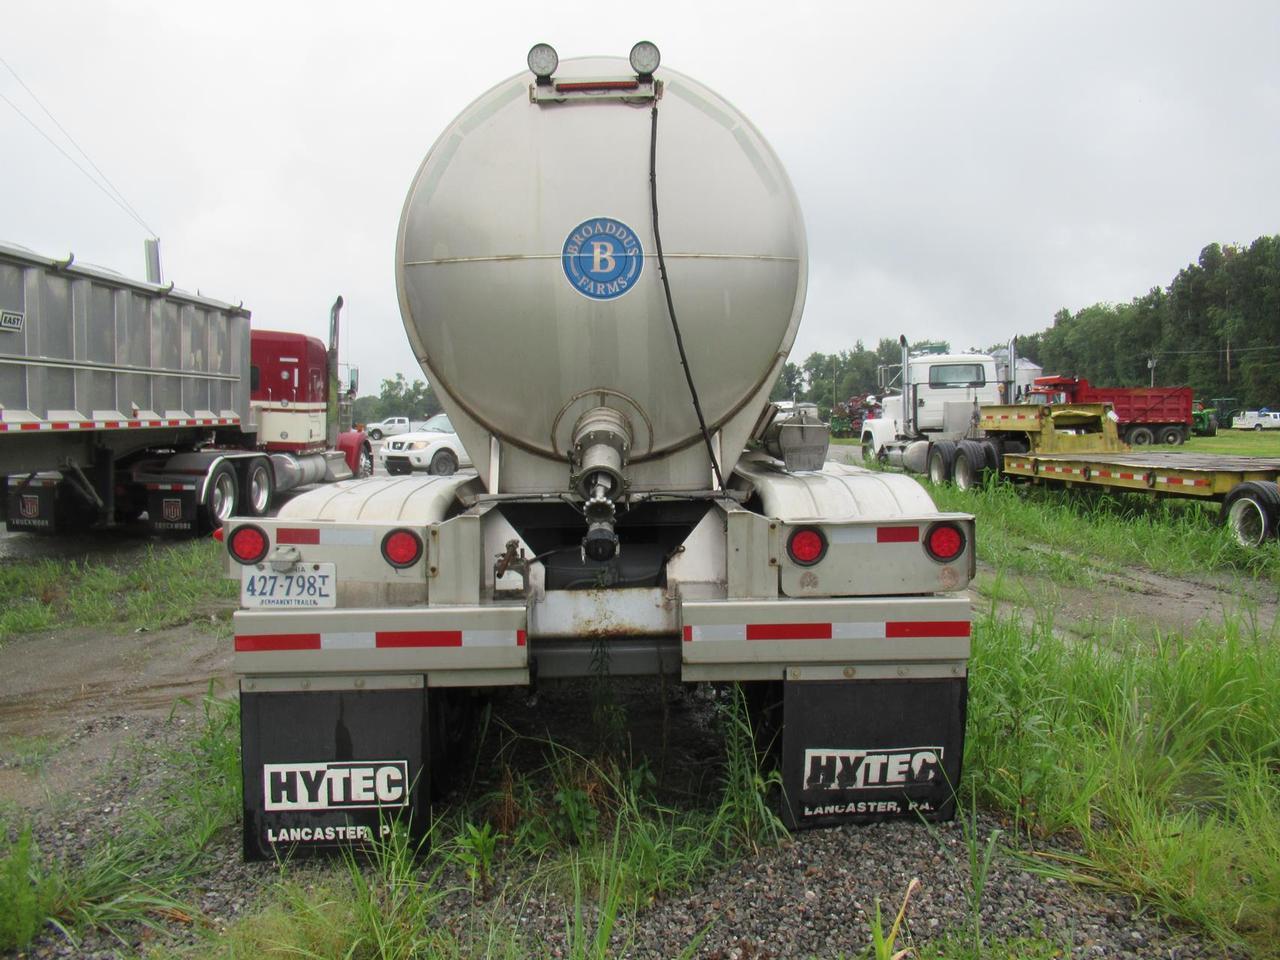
[{"x": 528, "y": 273}]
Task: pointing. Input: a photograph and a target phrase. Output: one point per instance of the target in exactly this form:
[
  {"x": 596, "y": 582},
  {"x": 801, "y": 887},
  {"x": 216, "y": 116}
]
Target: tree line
[{"x": 1215, "y": 328}]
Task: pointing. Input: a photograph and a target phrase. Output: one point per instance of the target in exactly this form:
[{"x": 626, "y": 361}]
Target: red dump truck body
[{"x": 1144, "y": 414}]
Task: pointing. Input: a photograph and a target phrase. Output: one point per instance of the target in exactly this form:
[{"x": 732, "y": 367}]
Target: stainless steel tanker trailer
[
  {"x": 120, "y": 397},
  {"x": 601, "y": 268}
]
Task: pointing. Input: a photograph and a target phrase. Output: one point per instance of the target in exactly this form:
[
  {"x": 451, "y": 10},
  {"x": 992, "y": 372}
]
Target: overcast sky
[{"x": 965, "y": 170}]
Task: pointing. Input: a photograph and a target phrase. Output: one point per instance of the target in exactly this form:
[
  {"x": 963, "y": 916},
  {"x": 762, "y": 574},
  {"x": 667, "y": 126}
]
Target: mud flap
[
  {"x": 326, "y": 770},
  {"x": 33, "y": 507},
  {"x": 857, "y": 751},
  {"x": 172, "y": 511}
]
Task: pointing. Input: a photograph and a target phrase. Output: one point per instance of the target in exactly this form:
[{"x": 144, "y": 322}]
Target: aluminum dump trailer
[{"x": 120, "y": 398}]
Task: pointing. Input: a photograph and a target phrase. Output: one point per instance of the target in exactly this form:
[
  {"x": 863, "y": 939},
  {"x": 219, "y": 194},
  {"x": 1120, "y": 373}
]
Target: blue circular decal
[{"x": 602, "y": 258}]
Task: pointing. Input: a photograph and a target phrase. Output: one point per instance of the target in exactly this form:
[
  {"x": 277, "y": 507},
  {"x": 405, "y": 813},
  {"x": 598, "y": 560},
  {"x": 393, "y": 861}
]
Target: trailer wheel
[
  {"x": 444, "y": 464},
  {"x": 1141, "y": 437},
  {"x": 1171, "y": 436},
  {"x": 1251, "y": 511},
  {"x": 942, "y": 456},
  {"x": 259, "y": 487},
  {"x": 991, "y": 450},
  {"x": 969, "y": 465},
  {"x": 221, "y": 496}
]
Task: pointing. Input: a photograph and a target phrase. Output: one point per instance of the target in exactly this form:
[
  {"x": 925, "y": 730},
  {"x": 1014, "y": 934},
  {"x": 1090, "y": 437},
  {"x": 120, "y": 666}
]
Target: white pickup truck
[
  {"x": 388, "y": 427},
  {"x": 1257, "y": 420}
]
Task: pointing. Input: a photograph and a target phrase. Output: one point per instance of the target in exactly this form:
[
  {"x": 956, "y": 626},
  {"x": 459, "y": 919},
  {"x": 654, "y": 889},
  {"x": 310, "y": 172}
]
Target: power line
[
  {"x": 114, "y": 193},
  {"x": 1169, "y": 353}
]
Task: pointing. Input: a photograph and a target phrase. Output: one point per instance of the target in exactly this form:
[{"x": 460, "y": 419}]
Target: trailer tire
[
  {"x": 991, "y": 450},
  {"x": 969, "y": 466},
  {"x": 1141, "y": 437},
  {"x": 1251, "y": 511},
  {"x": 221, "y": 497},
  {"x": 259, "y": 487},
  {"x": 1171, "y": 435},
  {"x": 942, "y": 457}
]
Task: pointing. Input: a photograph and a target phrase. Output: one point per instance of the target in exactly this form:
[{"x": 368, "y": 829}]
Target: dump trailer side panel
[{"x": 89, "y": 358}]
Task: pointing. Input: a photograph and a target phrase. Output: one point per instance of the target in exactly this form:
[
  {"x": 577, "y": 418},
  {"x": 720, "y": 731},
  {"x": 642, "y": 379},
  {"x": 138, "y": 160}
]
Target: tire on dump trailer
[{"x": 1251, "y": 512}]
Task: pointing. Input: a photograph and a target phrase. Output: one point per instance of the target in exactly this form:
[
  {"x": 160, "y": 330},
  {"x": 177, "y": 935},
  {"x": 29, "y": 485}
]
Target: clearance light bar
[{"x": 586, "y": 85}]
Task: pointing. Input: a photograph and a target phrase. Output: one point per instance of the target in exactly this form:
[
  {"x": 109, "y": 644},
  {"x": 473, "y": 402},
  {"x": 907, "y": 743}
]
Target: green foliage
[
  {"x": 137, "y": 874},
  {"x": 746, "y": 817},
  {"x": 1070, "y": 536},
  {"x": 1216, "y": 327},
  {"x": 157, "y": 587},
  {"x": 24, "y": 894},
  {"x": 1160, "y": 754},
  {"x": 397, "y": 398}
]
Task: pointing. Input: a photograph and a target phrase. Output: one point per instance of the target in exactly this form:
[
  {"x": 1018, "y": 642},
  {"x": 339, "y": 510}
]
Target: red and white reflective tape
[
  {"x": 1183, "y": 481},
  {"x": 377, "y": 640},
  {"x": 17, "y": 483},
  {"x": 866, "y": 630},
  {"x": 864, "y": 533},
  {"x": 326, "y": 537},
  {"x": 171, "y": 486},
  {"x": 1015, "y": 416},
  {"x": 1120, "y": 475},
  {"x": 17, "y": 426},
  {"x": 1070, "y": 471}
]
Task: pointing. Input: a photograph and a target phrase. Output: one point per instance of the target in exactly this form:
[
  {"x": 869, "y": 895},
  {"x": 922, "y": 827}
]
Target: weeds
[
  {"x": 160, "y": 587},
  {"x": 1072, "y": 535},
  {"x": 882, "y": 944},
  {"x": 1161, "y": 757},
  {"x": 137, "y": 875}
]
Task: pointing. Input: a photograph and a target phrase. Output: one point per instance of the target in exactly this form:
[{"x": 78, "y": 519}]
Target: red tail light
[
  {"x": 248, "y": 544},
  {"x": 944, "y": 541},
  {"x": 402, "y": 548},
  {"x": 219, "y": 534},
  {"x": 806, "y": 546}
]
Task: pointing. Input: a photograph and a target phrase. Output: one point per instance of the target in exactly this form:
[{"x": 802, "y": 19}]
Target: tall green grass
[
  {"x": 1070, "y": 535},
  {"x": 165, "y": 586},
  {"x": 1162, "y": 758},
  {"x": 138, "y": 873}
]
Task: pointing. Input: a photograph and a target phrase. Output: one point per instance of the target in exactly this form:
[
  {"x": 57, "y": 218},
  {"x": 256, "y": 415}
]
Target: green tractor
[{"x": 1206, "y": 418}]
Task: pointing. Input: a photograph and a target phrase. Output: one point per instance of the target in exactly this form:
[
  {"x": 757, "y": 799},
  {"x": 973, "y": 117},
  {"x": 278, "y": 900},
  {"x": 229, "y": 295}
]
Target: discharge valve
[{"x": 602, "y": 440}]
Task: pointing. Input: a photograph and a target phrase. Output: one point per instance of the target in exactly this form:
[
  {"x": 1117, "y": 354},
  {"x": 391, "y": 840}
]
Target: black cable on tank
[{"x": 671, "y": 308}]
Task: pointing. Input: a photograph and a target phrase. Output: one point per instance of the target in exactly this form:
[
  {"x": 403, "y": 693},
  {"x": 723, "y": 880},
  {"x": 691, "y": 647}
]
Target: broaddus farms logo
[{"x": 602, "y": 258}]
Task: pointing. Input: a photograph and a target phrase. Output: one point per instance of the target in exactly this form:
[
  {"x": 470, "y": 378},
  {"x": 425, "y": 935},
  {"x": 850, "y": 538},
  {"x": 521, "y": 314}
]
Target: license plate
[{"x": 308, "y": 585}]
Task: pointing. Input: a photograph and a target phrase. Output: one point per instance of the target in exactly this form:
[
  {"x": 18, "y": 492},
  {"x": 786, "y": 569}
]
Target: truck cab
[{"x": 965, "y": 378}]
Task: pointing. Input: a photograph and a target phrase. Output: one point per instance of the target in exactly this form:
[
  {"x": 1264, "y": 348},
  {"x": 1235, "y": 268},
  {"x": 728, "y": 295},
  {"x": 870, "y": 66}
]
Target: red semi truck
[
  {"x": 1144, "y": 415},
  {"x": 121, "y": 397}
]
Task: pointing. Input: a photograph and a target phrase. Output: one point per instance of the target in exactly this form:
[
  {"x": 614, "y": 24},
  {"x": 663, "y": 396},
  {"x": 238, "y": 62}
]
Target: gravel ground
[{"x": 810, "y": 898}]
